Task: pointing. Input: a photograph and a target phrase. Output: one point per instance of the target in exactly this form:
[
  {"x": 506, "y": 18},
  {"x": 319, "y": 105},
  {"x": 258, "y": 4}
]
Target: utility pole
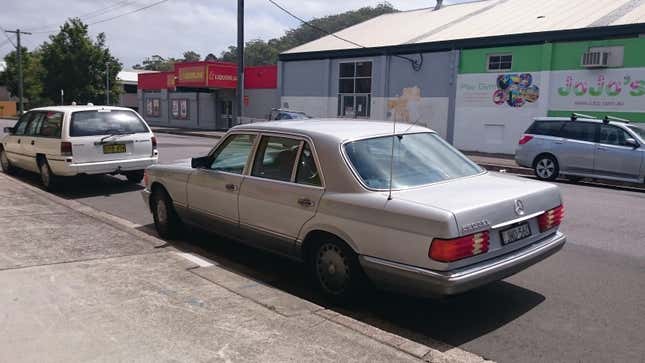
[
  {"x": 239, "y": 102},
  {"x": 107, "y": 83},
  {"x": 62, "y": 94},
  {"x": 20, "y": 78}
]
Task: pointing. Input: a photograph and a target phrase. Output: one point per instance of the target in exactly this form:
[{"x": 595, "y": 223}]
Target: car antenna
[{"x": 389, "y": 194}]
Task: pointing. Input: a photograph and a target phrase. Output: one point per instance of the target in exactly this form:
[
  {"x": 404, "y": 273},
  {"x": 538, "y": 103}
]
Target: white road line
[{"x": 200, "y": 261}]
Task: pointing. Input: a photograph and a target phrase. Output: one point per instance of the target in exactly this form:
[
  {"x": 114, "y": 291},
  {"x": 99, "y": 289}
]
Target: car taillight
[
  {"x": 525, "y": 138},
  {"x": 154, "y": 142},
  {"x": 449, "y": 250},
  {"x": 66, "y": 148},
  {"x": 551, "y": 218}
]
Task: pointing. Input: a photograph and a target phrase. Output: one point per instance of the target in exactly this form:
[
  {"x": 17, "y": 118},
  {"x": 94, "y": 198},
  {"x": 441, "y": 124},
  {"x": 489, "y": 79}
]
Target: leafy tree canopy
[{"x": 32, "y": 74}]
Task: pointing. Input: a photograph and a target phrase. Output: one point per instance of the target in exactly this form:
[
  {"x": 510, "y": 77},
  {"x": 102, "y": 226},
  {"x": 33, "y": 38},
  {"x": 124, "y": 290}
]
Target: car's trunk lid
[{"x": 88, "y": 149}]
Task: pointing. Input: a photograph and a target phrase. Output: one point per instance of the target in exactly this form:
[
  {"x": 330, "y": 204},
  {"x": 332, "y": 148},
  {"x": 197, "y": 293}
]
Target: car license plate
[
  {"x": 515, "y": 233},
  {"x": 113, "y": 149}
]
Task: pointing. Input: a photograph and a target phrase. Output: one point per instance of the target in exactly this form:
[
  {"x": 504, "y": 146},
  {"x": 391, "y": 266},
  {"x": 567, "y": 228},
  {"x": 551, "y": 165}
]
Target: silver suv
[{"x": 583, "y": 146}]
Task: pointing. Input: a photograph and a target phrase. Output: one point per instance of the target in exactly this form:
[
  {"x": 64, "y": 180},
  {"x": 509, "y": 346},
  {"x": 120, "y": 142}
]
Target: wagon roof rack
[
  {"x": 575, "y": 116},
  {"x": 615, "y": 119}
]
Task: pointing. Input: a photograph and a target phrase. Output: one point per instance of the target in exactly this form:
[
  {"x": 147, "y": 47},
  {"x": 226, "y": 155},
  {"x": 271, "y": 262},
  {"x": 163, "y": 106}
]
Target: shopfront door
[{"x": 225, "y": 116}]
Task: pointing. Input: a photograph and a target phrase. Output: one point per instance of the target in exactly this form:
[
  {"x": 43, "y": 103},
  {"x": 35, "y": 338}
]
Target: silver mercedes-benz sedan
[{"x": 360, "y": 202}]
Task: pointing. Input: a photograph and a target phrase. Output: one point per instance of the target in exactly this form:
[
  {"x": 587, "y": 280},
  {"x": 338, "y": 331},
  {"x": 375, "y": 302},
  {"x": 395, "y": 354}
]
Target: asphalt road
[{"x": 586, "y": 303}]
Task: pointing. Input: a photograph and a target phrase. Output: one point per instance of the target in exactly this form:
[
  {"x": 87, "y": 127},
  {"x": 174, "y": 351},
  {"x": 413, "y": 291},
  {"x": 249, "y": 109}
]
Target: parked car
[
  {"x": 319, "y": 192},
  {"x": 72, "y": 140},
  {"x": 578, "y": 147},
  {"x": 285, "y": 114}
]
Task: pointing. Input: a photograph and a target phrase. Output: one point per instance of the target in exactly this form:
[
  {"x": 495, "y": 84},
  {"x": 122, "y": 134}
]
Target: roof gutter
[{"x": 604, "y": 32}]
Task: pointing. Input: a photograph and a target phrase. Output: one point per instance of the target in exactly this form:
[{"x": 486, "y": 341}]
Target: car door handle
[
  {"x": 601, "y": 149},
  {"x": 305, "y": 202},
  {"x": 33, "y": 142},
  {"x": 19, "y": 141},
  {"x": 231, "y": 187}
]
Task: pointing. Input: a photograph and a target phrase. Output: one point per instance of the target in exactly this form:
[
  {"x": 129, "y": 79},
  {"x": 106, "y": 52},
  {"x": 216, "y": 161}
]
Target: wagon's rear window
[
  {"x": 419, "y": 159},
  {"x": 105, "y": 122}
]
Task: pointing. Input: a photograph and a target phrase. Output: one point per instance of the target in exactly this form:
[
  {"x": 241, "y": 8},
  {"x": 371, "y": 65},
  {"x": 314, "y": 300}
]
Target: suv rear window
[
  {"x": 546, "y": 128},
  {"x": 105, "y": 122}
]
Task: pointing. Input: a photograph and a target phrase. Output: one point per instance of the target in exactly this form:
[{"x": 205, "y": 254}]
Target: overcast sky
[{"x": 172, "y": 27}]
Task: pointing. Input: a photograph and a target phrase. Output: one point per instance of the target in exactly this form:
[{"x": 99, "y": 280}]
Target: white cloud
[{"x": 175, "y": 26}]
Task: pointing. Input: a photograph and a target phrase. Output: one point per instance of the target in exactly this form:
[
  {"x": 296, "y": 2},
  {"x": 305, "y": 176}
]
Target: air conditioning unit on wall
[{"x": 595, "y": 59}]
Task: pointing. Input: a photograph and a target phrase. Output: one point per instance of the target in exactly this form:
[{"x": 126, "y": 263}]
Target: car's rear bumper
[
  {"x": 64, "y": 168},
  {"x": 422, "y": 282}
]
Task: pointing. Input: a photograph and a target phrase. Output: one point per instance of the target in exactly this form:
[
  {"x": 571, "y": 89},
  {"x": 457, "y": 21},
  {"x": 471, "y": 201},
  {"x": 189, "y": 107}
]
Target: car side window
[
  {"x": 613, "y": 135},
  {"x": 233, "y": 155},
  {"x": 33, "y": 129},
  {"x": 582, "y": 131},
  {"x": 546, "y": 128},
  {"x": 307, "y": 172},
  {"x": 21, "y": 125},
  {"x": 275, "y": 158},
  {"x": 51, "y": 124}
]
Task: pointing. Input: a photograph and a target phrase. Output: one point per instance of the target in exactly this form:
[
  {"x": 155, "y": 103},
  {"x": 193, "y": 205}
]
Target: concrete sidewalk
[{"x": 81, "y": 285}]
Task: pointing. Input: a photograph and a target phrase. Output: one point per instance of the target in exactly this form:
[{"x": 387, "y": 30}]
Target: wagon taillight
[{"x": 66, "y": 148}]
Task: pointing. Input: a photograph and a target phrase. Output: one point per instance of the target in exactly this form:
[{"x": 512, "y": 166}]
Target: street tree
[
  {"x": 74, "y": 63},
  {"x": 32, "y": 71}
]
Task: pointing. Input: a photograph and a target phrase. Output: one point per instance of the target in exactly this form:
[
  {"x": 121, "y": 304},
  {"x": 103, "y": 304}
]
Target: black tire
[
  {"x": 134, "y": 176},
  {"x": 166, "y": 220},
  {"x": 7, "y": 168},
  {"x": 47, "y": 177},
  {"x": 546, "y": 167},
  {"x": 336, "y": 271}
]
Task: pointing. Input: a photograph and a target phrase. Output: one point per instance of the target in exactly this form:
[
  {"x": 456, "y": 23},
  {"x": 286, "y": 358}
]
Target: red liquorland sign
[{"x": 222, "y": 76}]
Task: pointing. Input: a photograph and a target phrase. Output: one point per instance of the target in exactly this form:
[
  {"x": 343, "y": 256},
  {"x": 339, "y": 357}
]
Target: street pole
[
  {"x": 20, "y": 78},
  {"x": 107, "y": 84},
  {"x": 240, "y": 61}
]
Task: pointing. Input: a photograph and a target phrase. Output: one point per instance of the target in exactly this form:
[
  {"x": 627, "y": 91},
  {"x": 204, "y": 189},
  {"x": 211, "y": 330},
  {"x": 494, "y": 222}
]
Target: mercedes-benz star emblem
[{"x": 519, "y": 207}]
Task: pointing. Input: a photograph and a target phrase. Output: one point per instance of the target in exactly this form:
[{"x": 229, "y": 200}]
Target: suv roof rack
[
  {"x": 575, "y": 116},
  {"x": 615, "y": 119}
]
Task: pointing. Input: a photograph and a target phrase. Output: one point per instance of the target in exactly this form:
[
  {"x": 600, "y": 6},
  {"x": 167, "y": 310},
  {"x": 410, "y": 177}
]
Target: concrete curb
[{"x": 447, "y": 354}]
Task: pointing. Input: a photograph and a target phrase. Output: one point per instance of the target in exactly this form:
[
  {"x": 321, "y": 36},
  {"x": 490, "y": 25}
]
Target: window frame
[
  {"x": 60, "y": 131},
  {"x": 354, "y": 95},
  {"x": 301, "y": 137},
  {"x": 297, "y": 168},
  {"x": 215, "y": 152},
  {"x": 295, "y": 161},
  {"x": 596, "y": 131},
  {"x": 500, "y": 69},
  {"x": 37, "y": 116},
  {"x": 615, "y": 127},
  {"x": 26, "y": 119}
]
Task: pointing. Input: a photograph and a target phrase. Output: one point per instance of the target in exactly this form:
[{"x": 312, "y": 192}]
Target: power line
[
  {"x": 92, "y": 14},
  {"x": 416, "y": 64},
  {"x": 112, "y": 17},
  {"x": 4, "y": 31}
]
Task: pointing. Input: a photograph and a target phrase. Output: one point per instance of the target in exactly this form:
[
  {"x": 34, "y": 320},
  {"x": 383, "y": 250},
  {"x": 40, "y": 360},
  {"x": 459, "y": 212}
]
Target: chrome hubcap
[
  {"x": 545, "y": 168},
  {"x": 162, "y": 213},
  {"x": 332, "y": 268}
]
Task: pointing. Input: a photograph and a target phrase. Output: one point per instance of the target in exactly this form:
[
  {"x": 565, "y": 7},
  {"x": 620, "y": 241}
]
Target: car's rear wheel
[
  {"x": 336, "y": 270},
  {"x": 166, "y": 220},
  {"x": 47, "y": 177},
  {"x": 5, "y": 163},
  {"x": 134, "y": 176},
  {"x": 546, "y": 167}
]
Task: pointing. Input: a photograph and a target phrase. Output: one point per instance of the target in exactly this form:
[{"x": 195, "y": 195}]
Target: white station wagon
[
  {"x": 407, "y": 212},
  {"x": 72, "y": 140}
]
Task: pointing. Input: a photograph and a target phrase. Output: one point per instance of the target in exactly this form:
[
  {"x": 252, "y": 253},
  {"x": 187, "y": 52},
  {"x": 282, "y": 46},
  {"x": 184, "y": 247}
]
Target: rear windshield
[
  {"x": 638, "y": 131},
  {"x": 419, "y": 159},
  {"x": 105, "y": 122},
  {"x": 547, "y": 128}
]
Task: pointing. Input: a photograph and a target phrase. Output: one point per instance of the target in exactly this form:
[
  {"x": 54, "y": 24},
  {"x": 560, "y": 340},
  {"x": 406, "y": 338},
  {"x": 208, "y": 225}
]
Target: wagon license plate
[
  {"x": 515, "y": 233},
  {"x": 113, "y": 149}
]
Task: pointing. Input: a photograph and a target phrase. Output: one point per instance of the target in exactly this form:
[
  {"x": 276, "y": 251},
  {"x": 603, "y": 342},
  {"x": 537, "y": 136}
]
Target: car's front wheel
[
  {"x": 546, "y": 167},
  {"x": 134, "y": 176},
  {"x": 166, "y": 220},
  {"x": 336, "y": 270},
  {"x": 5, "y": 163}
]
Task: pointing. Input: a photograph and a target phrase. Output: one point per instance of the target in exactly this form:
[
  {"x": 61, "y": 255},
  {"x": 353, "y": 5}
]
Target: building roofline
[{"x": 603, "y": 32}]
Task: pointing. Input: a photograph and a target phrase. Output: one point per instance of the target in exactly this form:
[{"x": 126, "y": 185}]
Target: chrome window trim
[
  {"x": 357, "y": 176},
  {"x": 297, "y": 136}
]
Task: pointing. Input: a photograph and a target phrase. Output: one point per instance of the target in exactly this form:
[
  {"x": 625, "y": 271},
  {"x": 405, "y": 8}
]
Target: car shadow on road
[
  {"x": 440, "y": 323},
  {"x": 83, "y": 186}
]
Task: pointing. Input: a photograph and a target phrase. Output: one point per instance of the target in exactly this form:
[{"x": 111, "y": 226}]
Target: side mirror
[
  {"x": 8, "y": 130},
  {"x": 631, "y": 142},
  {"x": 199, "y": 163}
]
